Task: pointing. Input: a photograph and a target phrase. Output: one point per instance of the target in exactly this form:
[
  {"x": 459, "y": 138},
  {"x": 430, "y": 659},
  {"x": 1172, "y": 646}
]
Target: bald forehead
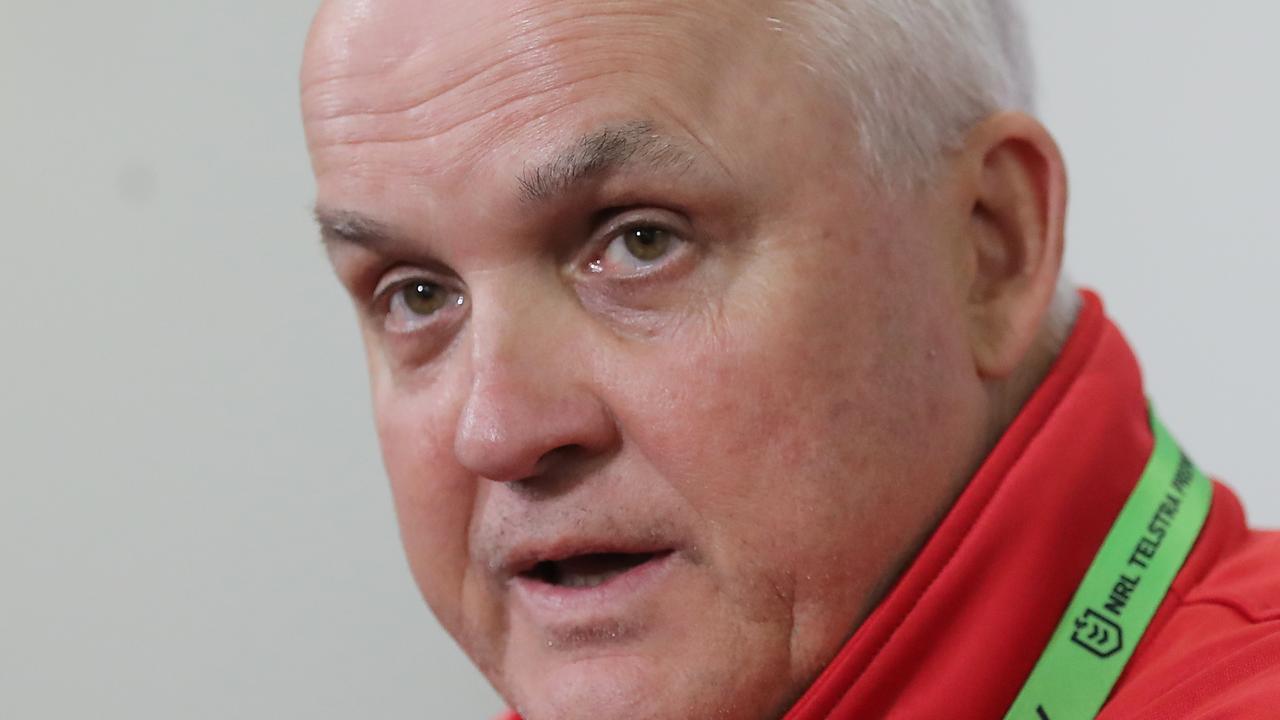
[
  {"x": 366, "y": 36},
  {"x": 397, "y": 71}
]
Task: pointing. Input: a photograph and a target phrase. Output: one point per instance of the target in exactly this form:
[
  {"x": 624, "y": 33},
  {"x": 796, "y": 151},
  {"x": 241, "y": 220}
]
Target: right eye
[{"x": 415, "y": 303}]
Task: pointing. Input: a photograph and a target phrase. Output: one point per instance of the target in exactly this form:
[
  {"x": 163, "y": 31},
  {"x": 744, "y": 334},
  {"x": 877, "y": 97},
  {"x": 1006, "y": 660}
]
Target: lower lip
[{"x": 556, "y": 604}]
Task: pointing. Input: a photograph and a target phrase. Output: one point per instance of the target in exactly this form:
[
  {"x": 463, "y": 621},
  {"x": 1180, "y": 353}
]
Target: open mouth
[{"x": 589, "y": 570}]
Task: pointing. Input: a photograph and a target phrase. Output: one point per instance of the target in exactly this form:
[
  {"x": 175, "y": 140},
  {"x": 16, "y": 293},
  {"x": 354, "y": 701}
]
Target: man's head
[{"x": 677, "y": 350}]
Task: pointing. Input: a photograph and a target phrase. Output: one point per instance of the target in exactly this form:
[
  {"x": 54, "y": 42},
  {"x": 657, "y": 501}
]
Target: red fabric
[{"x": 963, "y": 627}]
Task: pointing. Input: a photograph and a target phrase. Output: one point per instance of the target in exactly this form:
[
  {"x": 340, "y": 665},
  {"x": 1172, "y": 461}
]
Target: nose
[{"x": 531, "y": 396}]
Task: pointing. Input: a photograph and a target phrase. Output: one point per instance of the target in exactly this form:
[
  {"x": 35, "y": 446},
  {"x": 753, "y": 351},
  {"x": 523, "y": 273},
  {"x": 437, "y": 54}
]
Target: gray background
[{"x": 193, "y": 517}]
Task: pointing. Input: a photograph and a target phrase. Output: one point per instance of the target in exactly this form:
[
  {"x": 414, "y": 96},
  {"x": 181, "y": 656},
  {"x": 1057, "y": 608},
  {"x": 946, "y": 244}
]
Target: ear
[{"x": 1015, "y": 186}]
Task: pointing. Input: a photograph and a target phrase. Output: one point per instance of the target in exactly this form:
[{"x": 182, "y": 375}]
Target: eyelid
[
  {"x": 624, "y": 218},
  {"x": 395, "y": 278}
]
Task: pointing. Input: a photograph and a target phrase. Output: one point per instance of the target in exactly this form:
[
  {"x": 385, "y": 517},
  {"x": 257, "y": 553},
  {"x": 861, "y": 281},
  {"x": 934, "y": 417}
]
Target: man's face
[{"x": 665, "y": 394}]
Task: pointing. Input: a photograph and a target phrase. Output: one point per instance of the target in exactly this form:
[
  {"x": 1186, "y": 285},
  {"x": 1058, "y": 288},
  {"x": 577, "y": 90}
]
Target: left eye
[
  {"x": 423, "y": 298},
  {"x": 636, "y": 249},
  {"x": 416, "y": 303}
]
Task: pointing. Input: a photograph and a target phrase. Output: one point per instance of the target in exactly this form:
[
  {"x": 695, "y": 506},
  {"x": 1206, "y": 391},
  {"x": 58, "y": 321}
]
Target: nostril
[
  {"x": 555, "y": 456},
  {"x": 556, "y": 473}
]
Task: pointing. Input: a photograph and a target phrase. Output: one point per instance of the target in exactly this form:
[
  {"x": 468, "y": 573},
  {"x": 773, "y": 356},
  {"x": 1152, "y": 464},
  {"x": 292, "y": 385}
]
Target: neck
[{"x": 1008, "y": 395}]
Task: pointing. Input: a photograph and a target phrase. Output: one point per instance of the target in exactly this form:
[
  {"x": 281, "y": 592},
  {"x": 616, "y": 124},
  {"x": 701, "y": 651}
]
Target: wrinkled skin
[{"x": 786, "y": 399}]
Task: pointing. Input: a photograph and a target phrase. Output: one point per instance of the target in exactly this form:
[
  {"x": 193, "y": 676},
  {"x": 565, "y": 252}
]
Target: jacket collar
[{"x": 967, "y": 621}]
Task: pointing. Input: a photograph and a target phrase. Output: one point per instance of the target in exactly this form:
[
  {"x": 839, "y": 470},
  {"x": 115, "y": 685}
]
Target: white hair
[{"x": 918, "y": 76}]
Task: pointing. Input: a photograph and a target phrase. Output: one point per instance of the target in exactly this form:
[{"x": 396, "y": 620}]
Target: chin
[
  {"x": 638, "y": 688},
  {"x": 616, "y": 687}
]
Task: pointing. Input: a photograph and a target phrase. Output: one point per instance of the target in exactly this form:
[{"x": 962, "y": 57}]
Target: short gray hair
[{"x": 919, "y": 74}]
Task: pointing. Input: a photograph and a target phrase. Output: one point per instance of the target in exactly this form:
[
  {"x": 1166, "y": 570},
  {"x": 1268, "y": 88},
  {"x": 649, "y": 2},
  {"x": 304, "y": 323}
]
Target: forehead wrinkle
[
  {"x": 444, "y": 77},
  {"x": 523, "y": 113},
  {"x": 532, "y": 30},
  {"x": 466, "y": 73},
  {"x": 350, "y": 126},
  {"x": 458, "y": 133}
]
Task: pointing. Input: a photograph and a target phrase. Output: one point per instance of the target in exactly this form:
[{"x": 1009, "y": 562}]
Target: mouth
[
  {"x": 589, "y": 570},
  {"x": 579, "y": 592}
]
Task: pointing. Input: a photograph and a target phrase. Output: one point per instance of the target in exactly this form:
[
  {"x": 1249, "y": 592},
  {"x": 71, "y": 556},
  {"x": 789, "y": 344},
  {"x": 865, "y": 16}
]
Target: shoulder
[
  {"x": 1216, "y": 653},
  {"x": 1247, "y": 580}
]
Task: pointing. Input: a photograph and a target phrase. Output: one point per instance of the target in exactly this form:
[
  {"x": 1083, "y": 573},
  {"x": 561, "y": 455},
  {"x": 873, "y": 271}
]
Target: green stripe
[{"x": 1122, "y": 589}]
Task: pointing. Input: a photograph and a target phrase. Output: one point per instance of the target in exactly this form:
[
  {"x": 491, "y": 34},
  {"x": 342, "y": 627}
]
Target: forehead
[{"x": 459, "y": 79}]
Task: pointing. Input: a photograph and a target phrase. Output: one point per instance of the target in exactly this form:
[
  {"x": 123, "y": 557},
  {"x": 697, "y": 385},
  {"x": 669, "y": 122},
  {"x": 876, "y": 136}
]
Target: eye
[
  {"x": 637, "y": 249},
  {"x": 418, "y": 302},
  {"x": 423, "y": 298},
  {"x": 646, "y": 244}
]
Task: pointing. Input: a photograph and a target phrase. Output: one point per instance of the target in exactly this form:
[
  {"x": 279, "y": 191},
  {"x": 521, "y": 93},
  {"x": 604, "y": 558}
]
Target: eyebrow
[
  {"x": 606, "y": 150},
  {"x": 352, "y": 227},
  {"x": 603, "y": 151}
]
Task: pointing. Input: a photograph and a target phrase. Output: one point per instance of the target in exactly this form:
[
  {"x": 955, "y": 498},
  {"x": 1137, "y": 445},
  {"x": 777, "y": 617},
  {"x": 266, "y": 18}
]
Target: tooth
[{"x": 587, "y": 580}]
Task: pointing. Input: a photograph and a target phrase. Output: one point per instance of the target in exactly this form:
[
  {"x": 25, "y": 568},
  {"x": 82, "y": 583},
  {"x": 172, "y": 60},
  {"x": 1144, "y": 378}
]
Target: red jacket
[{"x": 964, "y": 625}]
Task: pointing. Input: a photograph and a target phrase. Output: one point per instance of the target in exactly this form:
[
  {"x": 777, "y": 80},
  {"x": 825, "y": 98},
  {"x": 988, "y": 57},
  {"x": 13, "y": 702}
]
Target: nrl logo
[{"x": 1098, "y": 634}]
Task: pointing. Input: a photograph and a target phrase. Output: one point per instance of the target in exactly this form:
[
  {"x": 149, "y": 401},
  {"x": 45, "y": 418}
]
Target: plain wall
[{"x": 194, "y": 522}]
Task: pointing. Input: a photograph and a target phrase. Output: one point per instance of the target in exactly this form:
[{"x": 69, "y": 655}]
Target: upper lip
[{"x": 524, "y": 557}]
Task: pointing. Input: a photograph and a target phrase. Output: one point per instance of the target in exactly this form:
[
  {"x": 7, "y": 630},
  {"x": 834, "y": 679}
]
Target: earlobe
[{"x": 1014, "y": 238}]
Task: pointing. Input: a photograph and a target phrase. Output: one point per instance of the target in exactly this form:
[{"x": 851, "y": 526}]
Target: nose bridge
[{"x": 530, "y": 388}]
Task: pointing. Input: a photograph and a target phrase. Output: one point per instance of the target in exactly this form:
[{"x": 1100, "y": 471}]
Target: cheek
[
  {"x": 758, "y": 419},
  {"x": 798, "y": 425},
  {"x": 433, "y": 497},
  {"x": 776, "y": 381}
]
